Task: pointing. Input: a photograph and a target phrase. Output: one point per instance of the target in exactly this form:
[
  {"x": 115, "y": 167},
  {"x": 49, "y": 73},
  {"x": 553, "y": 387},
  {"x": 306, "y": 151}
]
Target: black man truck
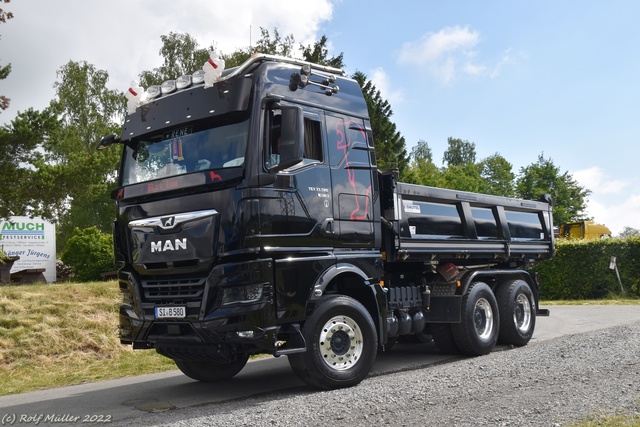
[{"x": 252, "y": 219}]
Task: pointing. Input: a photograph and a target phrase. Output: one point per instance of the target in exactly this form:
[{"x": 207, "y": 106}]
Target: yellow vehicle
[{"x": 584, "y": 230}]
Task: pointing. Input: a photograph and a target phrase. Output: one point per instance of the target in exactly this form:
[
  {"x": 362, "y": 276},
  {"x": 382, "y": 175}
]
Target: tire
[
  {"x": 517, "y": 312},
  {"x": 208, "y": 372},
  {"x": 477, "y": 334},
  {"x": 341, "y": 344},
  {"x": 443, "y": 337}
]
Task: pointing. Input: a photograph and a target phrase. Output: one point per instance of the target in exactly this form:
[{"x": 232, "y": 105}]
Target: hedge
[
  {"x": 89, "y": 252},
  {"x": 580, "y": 269}
]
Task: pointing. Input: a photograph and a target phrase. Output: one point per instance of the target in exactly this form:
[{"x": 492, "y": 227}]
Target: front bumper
[{"x": 217, "y": 325}]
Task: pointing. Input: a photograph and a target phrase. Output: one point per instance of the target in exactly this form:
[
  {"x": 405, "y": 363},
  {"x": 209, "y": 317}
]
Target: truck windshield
[{"x": 184, "y": 150}]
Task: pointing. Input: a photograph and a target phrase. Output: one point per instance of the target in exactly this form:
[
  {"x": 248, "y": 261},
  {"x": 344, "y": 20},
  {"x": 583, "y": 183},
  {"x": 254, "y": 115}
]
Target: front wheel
[
  {"x": 341, "y": 344},
  {"x": 477, "y": 334},
  {"x": 517, "y": 312},
  {"x": 206, "y": 371}
]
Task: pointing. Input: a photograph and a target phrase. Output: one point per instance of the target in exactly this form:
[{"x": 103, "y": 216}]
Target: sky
[{"x": 522, "y": 78}]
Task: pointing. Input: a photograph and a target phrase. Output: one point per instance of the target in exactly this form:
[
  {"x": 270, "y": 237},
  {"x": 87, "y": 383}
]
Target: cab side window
[{"x": 312, "y": 139}]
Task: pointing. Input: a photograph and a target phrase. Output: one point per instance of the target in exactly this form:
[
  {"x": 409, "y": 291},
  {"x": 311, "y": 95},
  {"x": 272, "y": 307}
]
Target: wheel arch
[
  {"x": 495, "y": 278},
  {"x": 350, "y": 280}
]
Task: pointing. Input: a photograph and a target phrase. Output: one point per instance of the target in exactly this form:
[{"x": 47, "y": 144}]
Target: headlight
[{"x": 241, "y": 294}]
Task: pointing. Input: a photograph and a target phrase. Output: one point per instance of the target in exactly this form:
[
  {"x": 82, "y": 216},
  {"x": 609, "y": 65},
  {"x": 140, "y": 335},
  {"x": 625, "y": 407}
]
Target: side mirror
[
  {"x": 291, "y": 137},
  {"x": 107, "y": 141}
]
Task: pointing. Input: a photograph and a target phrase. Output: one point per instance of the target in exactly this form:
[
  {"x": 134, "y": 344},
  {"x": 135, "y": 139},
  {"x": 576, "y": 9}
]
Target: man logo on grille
[{"x": 168, "y": 222}]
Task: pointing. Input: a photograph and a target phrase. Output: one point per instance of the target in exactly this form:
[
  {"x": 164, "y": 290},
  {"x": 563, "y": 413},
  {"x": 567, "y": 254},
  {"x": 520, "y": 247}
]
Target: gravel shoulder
[{"x": 549, "y": 383}]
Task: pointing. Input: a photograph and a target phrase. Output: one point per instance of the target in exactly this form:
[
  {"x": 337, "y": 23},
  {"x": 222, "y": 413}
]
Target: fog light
[{"x": 245, "y": 334}]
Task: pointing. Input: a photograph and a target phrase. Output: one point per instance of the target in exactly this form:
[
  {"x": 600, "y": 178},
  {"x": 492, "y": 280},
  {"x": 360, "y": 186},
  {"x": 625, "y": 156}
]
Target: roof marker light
[
  {"x": 198, "y": 77},
  {"x": 183, "y": 82},
  {"x": 154, "y": 91},
  {"x": 168, "y": 86}
]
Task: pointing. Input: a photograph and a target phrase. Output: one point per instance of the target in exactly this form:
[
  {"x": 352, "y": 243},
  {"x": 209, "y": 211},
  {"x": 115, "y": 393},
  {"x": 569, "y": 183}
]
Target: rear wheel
[
  {"x": 517, "y": 312},
  {"x": 341, "y": 344},
  {"x": 477, "y": 334},
  {"x": 206, "y": 371}
]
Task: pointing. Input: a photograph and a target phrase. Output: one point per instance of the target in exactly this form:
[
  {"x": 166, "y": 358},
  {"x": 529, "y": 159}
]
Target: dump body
[
  {"x": 251, "y": 212},
  {"x": 449, "y": 225}
]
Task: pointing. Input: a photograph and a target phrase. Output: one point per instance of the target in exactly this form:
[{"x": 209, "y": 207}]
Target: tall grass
[{"x": 61, "y": 334}]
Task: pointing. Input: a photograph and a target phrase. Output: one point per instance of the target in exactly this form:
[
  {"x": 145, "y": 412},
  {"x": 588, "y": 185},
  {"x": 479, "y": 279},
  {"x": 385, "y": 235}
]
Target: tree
[
  {"x": 21, "y": 142},
  {"x": 319, "y": 54},
  {"x": 4, "y": 71},
  {"x": 72, "y": 179},
  {"x": 463, "y": 177},
  {"x": 461, "y": 171},
  {"x": 421, "y": 169},
  {"x": 277, "y": 45},
  {"x": 459, "y": 152},
  {"x": 89, "y": 252},
  {"x": 182, "y": 55},
  {"x": 496, "y": 172},
  {"x": 389, "y": 143},
  {"x": 544, "y": 177},
  {"x": 629, "y": 232}
]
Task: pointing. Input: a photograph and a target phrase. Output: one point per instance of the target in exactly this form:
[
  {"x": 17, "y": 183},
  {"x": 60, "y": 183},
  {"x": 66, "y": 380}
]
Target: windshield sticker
[{"x": 176, "y": 150}]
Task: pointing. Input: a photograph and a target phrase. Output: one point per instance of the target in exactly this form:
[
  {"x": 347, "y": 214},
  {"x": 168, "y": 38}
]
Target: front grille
[{"x": 174, "y": 289}]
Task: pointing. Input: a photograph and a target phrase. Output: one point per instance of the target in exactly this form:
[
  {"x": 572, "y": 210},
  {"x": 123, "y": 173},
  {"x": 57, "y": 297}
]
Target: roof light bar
[
  {"x": 183, "y": 82},
  {"x": 198, "y": 77},
  {"x": 168, "y": 87}
]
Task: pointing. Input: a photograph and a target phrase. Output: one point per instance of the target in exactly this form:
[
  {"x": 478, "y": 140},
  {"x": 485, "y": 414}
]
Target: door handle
[{"x": 327, "y": 227}]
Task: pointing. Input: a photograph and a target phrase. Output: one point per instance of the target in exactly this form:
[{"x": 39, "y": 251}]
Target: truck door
[
  {"x": 299, "y": 211},
  {"x": 353, "y": 188}
]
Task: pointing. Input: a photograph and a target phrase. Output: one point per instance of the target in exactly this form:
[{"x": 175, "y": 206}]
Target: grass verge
[
  {"x": 609, "y": 421},
  {"x": 64, "y": 334}
]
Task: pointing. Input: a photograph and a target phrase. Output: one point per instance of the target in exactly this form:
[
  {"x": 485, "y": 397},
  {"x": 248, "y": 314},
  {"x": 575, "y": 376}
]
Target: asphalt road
[{"x": 131, "y": 397}]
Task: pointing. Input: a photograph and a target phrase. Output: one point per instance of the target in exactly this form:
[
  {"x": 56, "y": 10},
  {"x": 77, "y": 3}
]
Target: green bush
[
  {"x": 89, "y": 252},
  {"x": 580, "y": 269}
]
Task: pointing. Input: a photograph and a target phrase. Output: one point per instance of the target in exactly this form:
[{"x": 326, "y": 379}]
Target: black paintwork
[{"x": 333, "y": 224}]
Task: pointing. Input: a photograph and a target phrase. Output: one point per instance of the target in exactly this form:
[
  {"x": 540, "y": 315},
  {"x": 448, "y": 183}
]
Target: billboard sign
[{"x": 33, "y": 240}]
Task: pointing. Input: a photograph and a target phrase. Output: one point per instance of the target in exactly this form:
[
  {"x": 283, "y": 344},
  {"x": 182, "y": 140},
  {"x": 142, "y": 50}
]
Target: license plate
[{"x": 171, "y": 312}]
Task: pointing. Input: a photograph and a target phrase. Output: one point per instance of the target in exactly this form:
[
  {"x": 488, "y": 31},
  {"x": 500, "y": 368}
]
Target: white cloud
[
  {"x": 381, "y": 80},
  {"x": 435, "y": 46},
  {"x": 444, "y": 53},
  {"x": 616, "y": 216},
  {"x": 595, "y": 179},
  {"x": 123, "y": 37},
  {"x": 609, "y": 203},
  {"x": 451, "y": 52}
]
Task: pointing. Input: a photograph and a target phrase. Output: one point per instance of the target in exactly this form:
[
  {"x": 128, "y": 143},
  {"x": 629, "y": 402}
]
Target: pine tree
[{"x": 391, "y": 151}]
